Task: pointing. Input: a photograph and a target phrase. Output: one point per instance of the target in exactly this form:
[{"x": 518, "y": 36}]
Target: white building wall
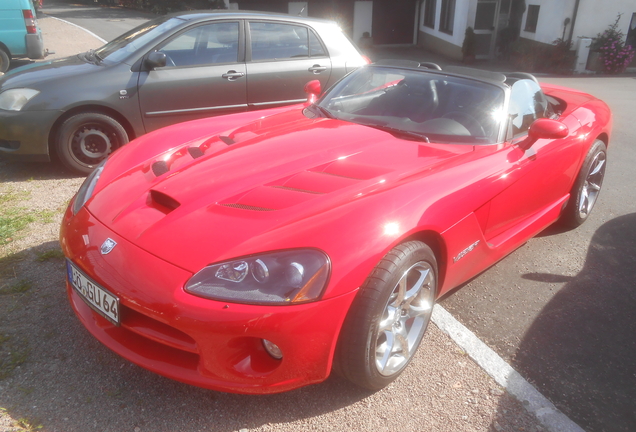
[
  {"x": 595, "y": 16},
  {"x": 459, "y": 25},
  {"x": 362, "y": 19},
  {"x": 550, "y": 25},
  {"x": 297, "y": 8}
]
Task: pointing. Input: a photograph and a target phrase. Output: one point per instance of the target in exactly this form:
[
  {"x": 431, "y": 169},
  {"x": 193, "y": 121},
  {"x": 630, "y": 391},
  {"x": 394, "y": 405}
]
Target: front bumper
[
  {"x": 24, "y": 135},
  {"x": 206, "y": 343}
]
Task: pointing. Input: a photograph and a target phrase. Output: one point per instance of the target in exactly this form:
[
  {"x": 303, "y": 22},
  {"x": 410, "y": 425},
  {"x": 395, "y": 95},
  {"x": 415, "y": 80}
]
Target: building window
[
  {"x": 447, "y": 16},
  {"x": 429, "y": 13},
  {"x": 532, "y": 18}
]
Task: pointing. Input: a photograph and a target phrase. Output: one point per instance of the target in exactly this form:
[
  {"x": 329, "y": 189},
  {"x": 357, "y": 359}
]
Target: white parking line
[
  {"x": 547, "y": 414},
  {"x": 81, "y": 28}
]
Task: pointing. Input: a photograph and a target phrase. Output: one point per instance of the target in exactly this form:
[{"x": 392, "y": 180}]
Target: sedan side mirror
[
  {"x": 544, "y": 129},
  {"x": 155, "y": 60},
  {"x": 313, "y": 90}
]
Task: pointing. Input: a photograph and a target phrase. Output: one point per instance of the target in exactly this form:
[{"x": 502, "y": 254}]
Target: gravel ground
[{"x": 55, "y": 377}]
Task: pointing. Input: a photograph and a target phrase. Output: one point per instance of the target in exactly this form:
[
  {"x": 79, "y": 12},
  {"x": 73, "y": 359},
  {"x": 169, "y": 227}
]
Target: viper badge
[{"x": 108, "y": 246}]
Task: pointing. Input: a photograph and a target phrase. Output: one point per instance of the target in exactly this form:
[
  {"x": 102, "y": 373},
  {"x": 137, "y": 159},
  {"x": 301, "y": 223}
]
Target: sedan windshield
[
  {"x": 120, "y": 48},
  {"x": 433, "y": 106}
]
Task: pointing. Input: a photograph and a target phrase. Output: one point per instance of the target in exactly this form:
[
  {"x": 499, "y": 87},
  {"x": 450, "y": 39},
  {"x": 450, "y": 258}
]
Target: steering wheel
[{"x": 469, "y": 122}]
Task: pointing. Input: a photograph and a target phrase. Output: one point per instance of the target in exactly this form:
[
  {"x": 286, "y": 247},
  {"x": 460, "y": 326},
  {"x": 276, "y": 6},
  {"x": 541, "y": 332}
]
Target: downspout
[
  {"x": 576, "y": 12},
  {"x": 418, "y": 11}
]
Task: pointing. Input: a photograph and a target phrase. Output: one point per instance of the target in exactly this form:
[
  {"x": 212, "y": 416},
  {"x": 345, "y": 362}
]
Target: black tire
[
  {"x": 586, "y": 187},
  {"x": 84, "y": 140},
  {"x": 365, "y": 355},
  {"x": 5, "y": 61}
]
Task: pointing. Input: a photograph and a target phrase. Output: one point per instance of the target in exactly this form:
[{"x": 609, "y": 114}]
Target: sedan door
[
  {"x": 204, "y": 76},
  {"x": 282, "y": 59}
]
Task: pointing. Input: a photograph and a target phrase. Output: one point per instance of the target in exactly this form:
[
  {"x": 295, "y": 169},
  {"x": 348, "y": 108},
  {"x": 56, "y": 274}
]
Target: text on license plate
[{"x": 97, "y": 297}]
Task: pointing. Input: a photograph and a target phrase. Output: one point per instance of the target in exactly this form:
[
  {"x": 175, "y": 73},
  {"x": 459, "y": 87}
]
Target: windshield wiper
[{"x": 401, "y": 132}]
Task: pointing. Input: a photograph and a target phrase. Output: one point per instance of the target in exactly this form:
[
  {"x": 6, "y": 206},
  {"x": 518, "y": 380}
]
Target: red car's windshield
[{"x": 437, "y": 107}]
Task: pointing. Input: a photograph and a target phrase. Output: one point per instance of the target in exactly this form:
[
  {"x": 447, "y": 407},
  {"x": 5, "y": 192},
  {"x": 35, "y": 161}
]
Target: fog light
[{"x": 272, "y": 349}]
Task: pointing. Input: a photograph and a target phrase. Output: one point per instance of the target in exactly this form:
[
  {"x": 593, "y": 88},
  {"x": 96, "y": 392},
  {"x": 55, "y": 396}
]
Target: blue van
[{"x": 20, "y": 35}]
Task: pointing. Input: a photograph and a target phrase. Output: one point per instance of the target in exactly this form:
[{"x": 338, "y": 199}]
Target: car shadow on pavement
[
  {"x": 24, "y": 171},
  {"x": 580, "y": 352}
]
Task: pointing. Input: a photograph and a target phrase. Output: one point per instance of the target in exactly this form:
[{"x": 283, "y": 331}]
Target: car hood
[
  {"x": 37, "y": 75},
  {"x": 206, "y": 200}
]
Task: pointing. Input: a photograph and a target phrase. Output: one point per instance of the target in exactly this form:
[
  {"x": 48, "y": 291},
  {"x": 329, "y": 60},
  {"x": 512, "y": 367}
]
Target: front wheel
[
  {"x": 84, "y": 140},
  {"x": 587, "y": 186},
  {"x": 388, "y": 317}
]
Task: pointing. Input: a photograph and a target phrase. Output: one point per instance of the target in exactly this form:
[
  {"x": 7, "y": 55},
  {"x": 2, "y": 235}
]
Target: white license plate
[{"x": 102, "y": 301}]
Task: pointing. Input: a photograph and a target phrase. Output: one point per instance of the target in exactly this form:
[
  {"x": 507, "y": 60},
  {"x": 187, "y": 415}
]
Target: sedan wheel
[
  {"x": 389, "y": 316},
  {"x": 587, "y": 186},
  {"x": 5, "y": 61},
  {"x": 84, "y": 140}
]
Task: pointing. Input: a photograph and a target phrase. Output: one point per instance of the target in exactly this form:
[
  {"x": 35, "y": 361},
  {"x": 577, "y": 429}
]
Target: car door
[
  {"x": 537, "y": 177},
  {"x": 204, "y": 76},
  {"x": 282, "y": 58}
]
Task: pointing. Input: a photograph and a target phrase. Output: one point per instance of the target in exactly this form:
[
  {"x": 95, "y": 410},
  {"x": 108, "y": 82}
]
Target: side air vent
[
  {"x": 247, "y": 207},
  {"x": 298, "y": 190},
  {"x": 226, "y": 139},
  {"x": 195, "y": 152},
  {"x": 160, "y": 167},
  {"x": 163, "y": 202}
]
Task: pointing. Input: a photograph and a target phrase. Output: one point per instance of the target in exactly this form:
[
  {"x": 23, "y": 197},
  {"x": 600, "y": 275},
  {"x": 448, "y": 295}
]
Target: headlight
[
  {"x": 86, "y": 190},
  {"x": 280, "y": 278},
  {"x": 15, "y": 99}
]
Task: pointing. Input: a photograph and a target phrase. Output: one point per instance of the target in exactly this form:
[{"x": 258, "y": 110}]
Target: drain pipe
[{"x": 575, "y": 13}]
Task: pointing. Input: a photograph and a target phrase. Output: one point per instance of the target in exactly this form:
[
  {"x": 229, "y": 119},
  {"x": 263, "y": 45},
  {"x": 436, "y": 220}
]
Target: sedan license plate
[{"x": 102, "y": 301}]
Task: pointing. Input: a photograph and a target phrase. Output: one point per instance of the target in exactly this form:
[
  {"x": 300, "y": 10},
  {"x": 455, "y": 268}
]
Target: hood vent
[
  {"x": 247, "y": 207},
  {"x": 163, "y": 202},
  {"x": 195, "y": 152},
  {"x": 226, "y": 139},
  {"x": 160, "y": 168},
  {"x": 299, "y": 190}
]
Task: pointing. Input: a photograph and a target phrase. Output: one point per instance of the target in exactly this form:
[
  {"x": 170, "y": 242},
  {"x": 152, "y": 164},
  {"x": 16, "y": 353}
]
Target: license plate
[{"x": 98, "y": 298}]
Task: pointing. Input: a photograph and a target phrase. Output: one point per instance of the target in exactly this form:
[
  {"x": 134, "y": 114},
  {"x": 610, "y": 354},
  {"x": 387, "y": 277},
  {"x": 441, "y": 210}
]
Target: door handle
[
  {"x": 316, "y": 69},
  {"x": 232, "y": 75}
]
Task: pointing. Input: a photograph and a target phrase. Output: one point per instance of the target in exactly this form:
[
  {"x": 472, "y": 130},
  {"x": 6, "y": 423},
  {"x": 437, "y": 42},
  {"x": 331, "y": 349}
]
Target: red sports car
[{"x": 256, "y": 252}]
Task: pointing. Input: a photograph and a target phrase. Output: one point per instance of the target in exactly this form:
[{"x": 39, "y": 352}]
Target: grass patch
[
  {"x": 20, "y": 287},
  {"x": 14, "y": 218},
  {"x": 28, "y": 425},
  {"x": 12, "y": 221},
  {"x": 53, "y": 254}
]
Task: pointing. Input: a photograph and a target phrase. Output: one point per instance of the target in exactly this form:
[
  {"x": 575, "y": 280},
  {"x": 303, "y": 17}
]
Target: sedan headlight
[
  {"x": 279, "y": 278},
  {"x": 86, "y": 190},
  {"x": 15, "y": 99}
]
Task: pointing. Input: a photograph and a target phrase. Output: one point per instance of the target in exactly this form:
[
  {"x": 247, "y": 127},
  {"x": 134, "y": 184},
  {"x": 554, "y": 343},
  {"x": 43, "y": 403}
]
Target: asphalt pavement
[{"x": 64, "y": 36}]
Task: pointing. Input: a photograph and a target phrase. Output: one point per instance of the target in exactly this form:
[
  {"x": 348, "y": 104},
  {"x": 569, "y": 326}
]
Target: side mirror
[
  {"x": 544, "y": 129},
  {"x": 313, "y": 90},
  {"x": 155, "y": 60}
]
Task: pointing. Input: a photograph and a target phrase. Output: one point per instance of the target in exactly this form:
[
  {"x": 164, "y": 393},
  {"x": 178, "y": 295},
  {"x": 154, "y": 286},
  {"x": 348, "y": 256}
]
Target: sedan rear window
[{"x": 275, "y": 41}]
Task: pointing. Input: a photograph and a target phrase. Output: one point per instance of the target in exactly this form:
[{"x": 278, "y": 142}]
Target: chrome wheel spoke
[
  {"x": 404, "y": 318},
  {"x": 384, "y": 350}
]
